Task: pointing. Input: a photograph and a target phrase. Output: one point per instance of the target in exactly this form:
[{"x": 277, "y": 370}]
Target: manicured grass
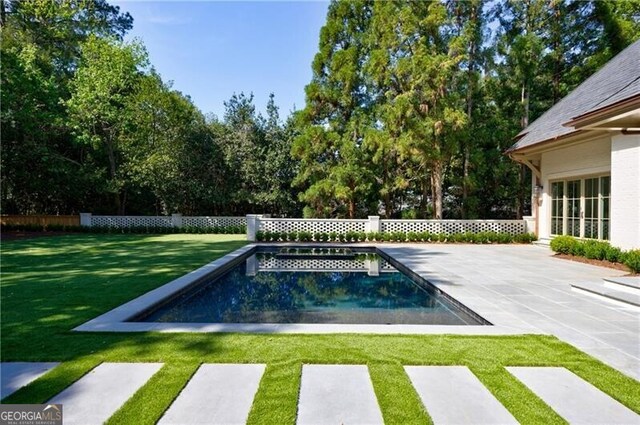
[{"x": 51, "y": 285}]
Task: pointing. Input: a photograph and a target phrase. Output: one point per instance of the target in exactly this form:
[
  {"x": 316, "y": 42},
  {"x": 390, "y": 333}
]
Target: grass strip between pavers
[{"x": 50, "y": 285}]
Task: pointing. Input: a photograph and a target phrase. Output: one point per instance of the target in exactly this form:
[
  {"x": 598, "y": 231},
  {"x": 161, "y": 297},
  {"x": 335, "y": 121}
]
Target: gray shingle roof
[{"x": 619, "y": 79}]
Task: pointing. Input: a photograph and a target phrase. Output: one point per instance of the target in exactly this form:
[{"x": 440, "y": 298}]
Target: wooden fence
[{"x": 42, "y": 220}]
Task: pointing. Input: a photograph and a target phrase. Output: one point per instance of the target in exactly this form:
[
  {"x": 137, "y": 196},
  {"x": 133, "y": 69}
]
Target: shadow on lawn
[{"x": 52, "y": 285}]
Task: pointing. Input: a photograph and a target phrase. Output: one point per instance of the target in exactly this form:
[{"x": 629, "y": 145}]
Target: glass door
[
  {"x": 573, "y": 208},
  {"x": 591, "y": 210}
]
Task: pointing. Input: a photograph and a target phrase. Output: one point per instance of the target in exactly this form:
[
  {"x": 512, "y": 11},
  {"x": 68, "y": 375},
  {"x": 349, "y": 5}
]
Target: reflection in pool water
[{"x": 271, "y": 288}]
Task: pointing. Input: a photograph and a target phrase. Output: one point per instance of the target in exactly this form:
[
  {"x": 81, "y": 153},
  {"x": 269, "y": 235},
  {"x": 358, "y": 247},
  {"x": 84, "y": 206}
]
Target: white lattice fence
[
  {"x": 214, "y": 221},
  {"x": 319, "y": 264},
  {"x": 311, "y": 225},
  {"x": 513, "y": 227},
  {"x": 130, "y": 221},
  {"x": 176, "y": 220},
  {"x": 311, "y": 264}
]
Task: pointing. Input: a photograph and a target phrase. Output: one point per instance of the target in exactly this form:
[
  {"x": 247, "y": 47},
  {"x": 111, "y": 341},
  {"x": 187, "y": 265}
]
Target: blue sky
[{"x": 212, "y": 49}]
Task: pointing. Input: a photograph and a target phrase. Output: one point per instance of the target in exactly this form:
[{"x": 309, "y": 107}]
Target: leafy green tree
[
  {"x": 414, "y": 69},
  {"x": 105, "y": 82},
  {"x": 43, "y": 170},
  {"x": 334, "y": 172}
]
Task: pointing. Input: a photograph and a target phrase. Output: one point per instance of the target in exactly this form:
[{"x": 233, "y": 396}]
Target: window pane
[{"x": 606, "y": 185}]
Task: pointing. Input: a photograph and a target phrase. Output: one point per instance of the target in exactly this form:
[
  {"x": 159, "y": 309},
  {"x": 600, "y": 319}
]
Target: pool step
[
  {"x": 602, "y": 290},
  {"x": 629, "y": 284}
]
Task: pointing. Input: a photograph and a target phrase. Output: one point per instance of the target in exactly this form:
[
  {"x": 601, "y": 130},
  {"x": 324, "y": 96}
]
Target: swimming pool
[{"x": 314, "y": 286}]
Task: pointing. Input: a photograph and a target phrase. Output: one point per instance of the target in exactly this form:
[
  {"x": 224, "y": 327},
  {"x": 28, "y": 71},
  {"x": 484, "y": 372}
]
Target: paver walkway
[
  {"x": 217, "y": 394},
  {"x": 571, "y": 397},
  {"x": 14, "y": 375},
  {"x": 454, "y": 395},
  {"x": 97, "y": 395},
  {"x": 337, "y": 394}
]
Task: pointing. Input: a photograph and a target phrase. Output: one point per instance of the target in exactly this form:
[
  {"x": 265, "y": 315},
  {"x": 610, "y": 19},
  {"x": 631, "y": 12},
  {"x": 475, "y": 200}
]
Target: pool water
[{"x": 312, "y": 287}]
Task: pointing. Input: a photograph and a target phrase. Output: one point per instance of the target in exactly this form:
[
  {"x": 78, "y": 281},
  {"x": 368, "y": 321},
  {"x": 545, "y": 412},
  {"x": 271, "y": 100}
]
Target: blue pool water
[{"x": 312, "y": 287}]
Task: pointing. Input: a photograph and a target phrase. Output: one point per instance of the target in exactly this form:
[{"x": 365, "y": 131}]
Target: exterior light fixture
[{"x": 537, "y": 191}]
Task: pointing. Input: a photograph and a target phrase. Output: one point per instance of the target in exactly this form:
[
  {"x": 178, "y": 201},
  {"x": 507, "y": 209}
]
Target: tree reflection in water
[{"x": 277, "y": 296}]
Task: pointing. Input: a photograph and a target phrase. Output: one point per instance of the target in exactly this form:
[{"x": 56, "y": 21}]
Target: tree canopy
[{"x": 409, "y": 110}]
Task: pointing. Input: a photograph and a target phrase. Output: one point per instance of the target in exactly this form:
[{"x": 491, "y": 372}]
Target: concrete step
[
  {"x": 337, "y": 394},
  {"x": 543, "y": 242},
  {"x": 217, "y": 394},
  {"x": 607, "y": 293},
  {"x": 96, "y": 396},
  {"x": 454, "y": 395},
  {"x": 15, "y": 375},
  {"x": 629, "y": 284},
  {"x": 571, "y": 397}
]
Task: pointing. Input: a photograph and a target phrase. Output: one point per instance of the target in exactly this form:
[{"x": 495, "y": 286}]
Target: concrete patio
[{"x": 525, "y": 286}]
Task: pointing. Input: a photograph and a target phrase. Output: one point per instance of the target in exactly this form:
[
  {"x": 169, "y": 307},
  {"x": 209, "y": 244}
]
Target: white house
[{"x": 584, "y": 154}]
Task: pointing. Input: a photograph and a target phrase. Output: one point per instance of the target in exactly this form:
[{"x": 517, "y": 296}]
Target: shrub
[
  {"x": 424, "y": 236},
  {"x": 613, "y": 254},
  {"x": 316, "y": 236},
  {"x": 577, "y": 249},
  {"x": 333, "y": 237},
  {"x": 362, "y": 236},
  {"x": 631, "y": 259},
  {"x": 595, "y": 250},
  {"x": 524, "y": 238},
  {"x": 563, "y": 244}
]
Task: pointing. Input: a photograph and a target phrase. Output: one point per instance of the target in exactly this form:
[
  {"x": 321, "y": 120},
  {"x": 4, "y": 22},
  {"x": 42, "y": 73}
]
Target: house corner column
[{"x": 625, "y": 191}]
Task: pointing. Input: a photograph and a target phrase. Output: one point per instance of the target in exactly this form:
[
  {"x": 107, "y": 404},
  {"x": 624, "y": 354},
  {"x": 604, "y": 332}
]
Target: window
[
  {"x": 580, "y": 207},
  {"x": 557, "y": 204}
]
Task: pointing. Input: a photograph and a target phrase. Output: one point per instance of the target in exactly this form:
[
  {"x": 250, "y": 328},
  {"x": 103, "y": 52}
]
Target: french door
[{"x": 580, "y": 207}]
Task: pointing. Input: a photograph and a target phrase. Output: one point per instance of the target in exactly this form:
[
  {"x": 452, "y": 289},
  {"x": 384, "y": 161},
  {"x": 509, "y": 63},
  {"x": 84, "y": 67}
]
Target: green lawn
[{"x": 50, "y": 285}]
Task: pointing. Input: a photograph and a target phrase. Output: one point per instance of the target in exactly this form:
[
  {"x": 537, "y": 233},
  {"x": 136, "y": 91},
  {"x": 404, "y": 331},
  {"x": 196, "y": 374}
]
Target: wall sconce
[{"x": 537, "y": 191}]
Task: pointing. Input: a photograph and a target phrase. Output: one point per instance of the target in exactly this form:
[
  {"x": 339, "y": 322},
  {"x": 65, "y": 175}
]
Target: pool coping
[{"x": 115, "y": 320}]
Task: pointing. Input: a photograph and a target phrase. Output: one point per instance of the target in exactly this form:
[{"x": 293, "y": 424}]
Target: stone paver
[
  {"x": 15, "y": 375},
  {"x": 571, "y": 397},
  {"x": 97, "y": 395},
  {"x": 525, "y": 287},
  {"x": 337, "y": 394},
  {"x": 454, "y": 395},
  {"x": 217, "y": 394}
]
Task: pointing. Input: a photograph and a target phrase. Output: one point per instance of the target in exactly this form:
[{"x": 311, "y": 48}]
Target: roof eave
[{"x": 605, "y": 113}]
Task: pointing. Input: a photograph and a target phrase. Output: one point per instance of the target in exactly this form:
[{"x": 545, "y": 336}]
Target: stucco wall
[
  {"x": 580, "y": 160},
  {"x": 625, "y": 191}
]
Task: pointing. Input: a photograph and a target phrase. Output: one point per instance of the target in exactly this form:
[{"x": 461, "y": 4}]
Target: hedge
[
  {"x": 596, "y": 250},
  {"x": 476, "y": 238}
]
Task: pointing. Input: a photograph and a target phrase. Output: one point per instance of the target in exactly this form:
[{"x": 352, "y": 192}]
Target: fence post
[
  {"x": 253, "y": 225},
  {"x": 176, "y": 220},
  {"x": 85, "y": 219},
  {"x": 373, "y": 225}
]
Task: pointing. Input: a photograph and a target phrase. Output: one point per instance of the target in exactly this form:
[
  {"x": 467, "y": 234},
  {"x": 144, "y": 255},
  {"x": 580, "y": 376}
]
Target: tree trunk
[
  {"x": 472, "y": 48},
  {"x": 436, "y": 189},
  {"x": 3, "y": 13},
  {"x": 112, "y": 172}
]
